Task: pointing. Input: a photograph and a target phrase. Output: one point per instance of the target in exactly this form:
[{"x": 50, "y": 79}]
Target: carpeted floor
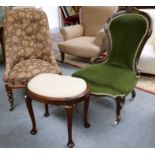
[{"x": 136, "y": 129}]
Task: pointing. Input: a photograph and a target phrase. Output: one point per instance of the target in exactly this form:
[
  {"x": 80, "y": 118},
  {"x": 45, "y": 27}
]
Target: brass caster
[{"x": 116, "y": 122}]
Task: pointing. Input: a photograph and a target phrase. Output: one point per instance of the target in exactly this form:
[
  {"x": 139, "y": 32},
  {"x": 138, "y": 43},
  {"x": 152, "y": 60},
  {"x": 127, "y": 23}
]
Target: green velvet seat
[
  {"x": 105, "y": 79},
  {"x": 127, "y": 32}
]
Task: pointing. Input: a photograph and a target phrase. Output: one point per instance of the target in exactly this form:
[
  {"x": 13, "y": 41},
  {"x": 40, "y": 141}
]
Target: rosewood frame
[{"x": 68, "y": 103}]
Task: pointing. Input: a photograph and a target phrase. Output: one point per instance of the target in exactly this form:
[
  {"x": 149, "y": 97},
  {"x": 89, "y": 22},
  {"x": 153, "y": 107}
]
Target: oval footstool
[{"x": 57, "y": 90}]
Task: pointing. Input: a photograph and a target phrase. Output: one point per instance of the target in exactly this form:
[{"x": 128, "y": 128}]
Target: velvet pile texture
[{"x": 117, "y": 77}]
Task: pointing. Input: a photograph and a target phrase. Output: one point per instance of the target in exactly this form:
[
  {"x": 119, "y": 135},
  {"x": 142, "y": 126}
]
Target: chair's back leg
[{"x": 133, "y": 95}]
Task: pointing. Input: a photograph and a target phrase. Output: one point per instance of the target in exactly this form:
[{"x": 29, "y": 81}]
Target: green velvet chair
[{"x": 127, "y": 32}]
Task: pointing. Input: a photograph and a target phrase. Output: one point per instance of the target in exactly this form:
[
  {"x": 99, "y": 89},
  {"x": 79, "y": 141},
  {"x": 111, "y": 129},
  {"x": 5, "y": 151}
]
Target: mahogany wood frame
[{"x": 68, "y": 104}]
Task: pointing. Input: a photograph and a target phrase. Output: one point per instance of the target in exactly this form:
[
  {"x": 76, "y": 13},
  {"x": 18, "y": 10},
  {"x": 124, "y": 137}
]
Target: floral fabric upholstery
[
  {"x": 27, "y": 36},
  {"x": 23, "y": 71}
]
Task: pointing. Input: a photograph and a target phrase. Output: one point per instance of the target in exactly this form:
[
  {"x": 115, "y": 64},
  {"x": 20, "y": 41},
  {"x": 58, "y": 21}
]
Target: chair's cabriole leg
[
  {"x": 62, "y": 56},
  {"x": 85, "y": 113},
  {"x": 133, "y": 95},
  {"x": 69, "y": 111},
  {"x": 28, "y": 102},
  {"x": 10, "y": 97},
  {"x": 119, "y": 104},
  {"x": 46, "y": 114}
]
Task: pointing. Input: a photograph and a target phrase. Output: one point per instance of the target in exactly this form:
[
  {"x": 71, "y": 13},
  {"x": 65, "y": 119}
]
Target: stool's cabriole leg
[
  {"x": 85, "y": 113},
  {"x": 28, "y": 101},
  {"x": 46, "y": 114},
  {"x": 69, "y": 111}
]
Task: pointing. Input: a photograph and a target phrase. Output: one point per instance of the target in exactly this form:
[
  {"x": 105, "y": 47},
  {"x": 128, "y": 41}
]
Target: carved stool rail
[{"x": 58, "y": 90}]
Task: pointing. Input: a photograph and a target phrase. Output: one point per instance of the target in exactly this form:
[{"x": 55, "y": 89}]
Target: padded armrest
[
  {"x": 100, "y": 39},
  {"x": 71, "y": 32}
]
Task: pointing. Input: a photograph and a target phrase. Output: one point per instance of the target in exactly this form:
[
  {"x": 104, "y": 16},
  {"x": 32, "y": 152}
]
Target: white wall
[{"x": 52, "y": 14}]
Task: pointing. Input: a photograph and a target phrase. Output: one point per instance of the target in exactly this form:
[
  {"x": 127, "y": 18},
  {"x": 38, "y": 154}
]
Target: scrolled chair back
[{"x": 127, "y": 33}]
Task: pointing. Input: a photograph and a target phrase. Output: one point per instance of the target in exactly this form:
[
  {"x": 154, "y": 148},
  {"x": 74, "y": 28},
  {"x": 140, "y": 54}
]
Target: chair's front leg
[
  {"x": 10, "y": 97},
  {"x": 28, "y": 102},
  {"x": 69, "y": 111},
  {"x": 119, "y": 104}
]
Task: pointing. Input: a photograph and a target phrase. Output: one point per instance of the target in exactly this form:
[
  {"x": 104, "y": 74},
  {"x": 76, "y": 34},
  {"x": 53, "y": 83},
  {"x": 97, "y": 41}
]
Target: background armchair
[
  {"x": 87, "y": 39},
  {"x": 27, "y": 48},
  {"x": 127, "y": 33}
]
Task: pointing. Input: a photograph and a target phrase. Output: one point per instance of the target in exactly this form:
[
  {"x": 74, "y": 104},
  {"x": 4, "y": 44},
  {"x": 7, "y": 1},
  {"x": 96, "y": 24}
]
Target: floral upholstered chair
[{"x": 27, "y": 48}]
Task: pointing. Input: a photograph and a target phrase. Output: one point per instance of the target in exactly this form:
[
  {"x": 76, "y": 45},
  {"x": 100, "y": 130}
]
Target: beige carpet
[{"x": 145, "y": 83}]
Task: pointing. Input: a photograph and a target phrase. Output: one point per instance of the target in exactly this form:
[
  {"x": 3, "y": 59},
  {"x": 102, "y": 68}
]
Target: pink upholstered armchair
[
  {"x": 87, "y": 39},
  {"x": 27, "y": 48}
]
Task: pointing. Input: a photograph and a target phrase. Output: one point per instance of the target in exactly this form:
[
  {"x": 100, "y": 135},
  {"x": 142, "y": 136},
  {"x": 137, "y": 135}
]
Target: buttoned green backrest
[{"x": 127, "y": 32}]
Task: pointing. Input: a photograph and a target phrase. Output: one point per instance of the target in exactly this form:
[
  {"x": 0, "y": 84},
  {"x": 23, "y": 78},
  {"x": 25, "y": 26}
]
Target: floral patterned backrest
[{"x": 26, "y": 36}]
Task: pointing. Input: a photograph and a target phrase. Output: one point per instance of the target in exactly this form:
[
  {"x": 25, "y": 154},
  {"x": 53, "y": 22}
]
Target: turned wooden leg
[
  {"x": 85, "y": 114},
  {"x": 46, "y": 114},
  {"x": 62, "y": 56},
  {"x": 133, "y": 95},
  {"x": 119, "y": 104},
  {"x": 28, "y": 102},
  {"x": 69, "y": 111},
  {"x": 10, "y": 97}
]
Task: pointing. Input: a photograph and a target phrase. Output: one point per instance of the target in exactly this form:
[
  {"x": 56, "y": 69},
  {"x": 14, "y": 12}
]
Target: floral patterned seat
[
  {"x": 28, "y": 48},
  {"x": 22, "y": 72}
]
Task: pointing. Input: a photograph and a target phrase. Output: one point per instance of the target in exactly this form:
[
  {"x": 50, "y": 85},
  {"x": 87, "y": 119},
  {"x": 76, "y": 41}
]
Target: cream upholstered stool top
[
  {"x": 57, "y": 86},
  {"x": 58, "y": 90}
]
